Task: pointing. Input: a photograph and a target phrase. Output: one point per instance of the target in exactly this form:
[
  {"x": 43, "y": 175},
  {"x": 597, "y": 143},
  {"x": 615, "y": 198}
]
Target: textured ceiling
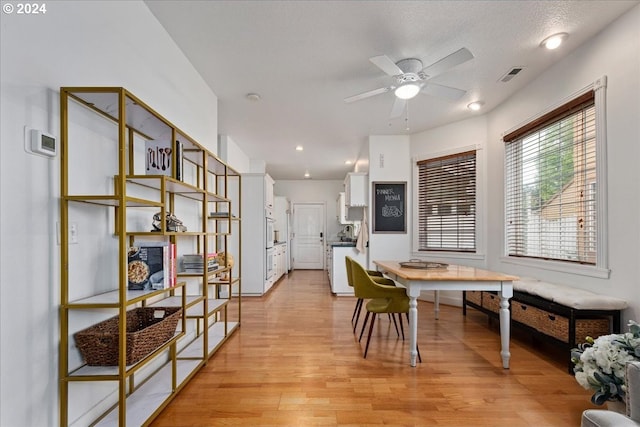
[{"x": 304, "y": 57}]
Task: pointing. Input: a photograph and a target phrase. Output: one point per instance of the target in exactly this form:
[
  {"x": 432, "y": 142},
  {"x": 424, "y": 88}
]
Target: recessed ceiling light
[
  {"x": 254, "y": 97},
  {"x": 299, "y": 148},
  {"x": 347, "y": 162},
  {"x": 552, "y": 42},
  {"x": 307, "y": 175},
  {"x": 475, "y": 106}
]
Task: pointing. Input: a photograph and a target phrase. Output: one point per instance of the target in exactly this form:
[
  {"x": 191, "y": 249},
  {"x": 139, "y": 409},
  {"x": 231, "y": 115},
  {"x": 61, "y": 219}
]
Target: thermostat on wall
[{"x": 43, "y": 143}]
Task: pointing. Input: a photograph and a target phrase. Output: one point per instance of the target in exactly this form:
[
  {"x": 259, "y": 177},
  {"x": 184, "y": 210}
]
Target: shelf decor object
[{"x": 135, "y": 327}]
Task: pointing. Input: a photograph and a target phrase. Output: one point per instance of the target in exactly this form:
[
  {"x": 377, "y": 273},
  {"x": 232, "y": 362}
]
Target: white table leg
[
  {"x": 413, "y": 324},
  {"x": 436, "y": 304},
  {"x": 505, "y": 330}
]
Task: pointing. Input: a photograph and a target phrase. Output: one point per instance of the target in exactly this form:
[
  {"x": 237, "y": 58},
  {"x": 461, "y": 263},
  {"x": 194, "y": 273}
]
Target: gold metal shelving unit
[{"x": 104, "y": 184}]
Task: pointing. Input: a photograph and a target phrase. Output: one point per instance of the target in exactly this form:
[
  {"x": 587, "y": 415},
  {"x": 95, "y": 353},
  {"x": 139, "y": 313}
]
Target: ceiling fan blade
[
  {"x": 443, "y": 91},
  {"x": 456, "y": 58},
  {"x": 398, "y": 108},
  {"x": 367, "y": 94},
  {"x": 387, "y": 65}
]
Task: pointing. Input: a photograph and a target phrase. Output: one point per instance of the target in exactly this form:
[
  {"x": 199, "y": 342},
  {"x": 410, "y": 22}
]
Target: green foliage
[{"x": 555, "y": 163}]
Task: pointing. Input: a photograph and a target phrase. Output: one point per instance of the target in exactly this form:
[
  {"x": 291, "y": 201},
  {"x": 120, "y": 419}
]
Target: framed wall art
[{"x": 389, "y": 207}]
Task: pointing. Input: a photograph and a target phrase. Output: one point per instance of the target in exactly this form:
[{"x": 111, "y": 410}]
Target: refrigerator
[
  {"x": 289, "y": 242},
  {"x": 282, "y": 215}
]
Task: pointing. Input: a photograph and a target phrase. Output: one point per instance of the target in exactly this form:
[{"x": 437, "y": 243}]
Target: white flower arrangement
[{"x": 600, "y": 363}]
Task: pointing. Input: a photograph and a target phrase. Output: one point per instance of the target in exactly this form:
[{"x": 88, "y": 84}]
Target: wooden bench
[{"x": 558, "y": 314}]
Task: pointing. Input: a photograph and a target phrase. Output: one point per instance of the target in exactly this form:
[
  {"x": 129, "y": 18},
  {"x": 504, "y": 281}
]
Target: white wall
[
  {"x": 97, "y": 43},
  {"x": 466, "y": 135},
  {"x": 231, "y": 154},
  {"x": 390, "y": 160},
  {"x": 362, "y": 164},
  {"x": 314, "y": 191},
  {"x": 614, "y": 53},
  {"x": 257, "y": 166}
]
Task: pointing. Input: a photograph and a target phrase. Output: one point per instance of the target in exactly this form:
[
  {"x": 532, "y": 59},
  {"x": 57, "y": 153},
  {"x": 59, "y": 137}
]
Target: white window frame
[{"x": 601, "y": 267}]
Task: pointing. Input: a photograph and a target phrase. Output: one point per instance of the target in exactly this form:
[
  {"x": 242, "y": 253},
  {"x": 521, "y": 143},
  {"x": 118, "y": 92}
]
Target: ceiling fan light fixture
[
  {"x": 407, "y": 90},
  {"x": 553, "y": 41},
  {"x": 475, "y": 106}
]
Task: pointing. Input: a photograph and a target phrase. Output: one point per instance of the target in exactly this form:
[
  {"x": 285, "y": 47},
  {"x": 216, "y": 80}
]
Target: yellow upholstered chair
[
  {"x": 383, "y": 299},
  {"x": 375, "y": 275}
]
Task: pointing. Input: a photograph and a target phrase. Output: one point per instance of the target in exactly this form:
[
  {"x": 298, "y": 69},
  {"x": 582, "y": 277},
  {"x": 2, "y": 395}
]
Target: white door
[{"x": 308, "y": 237}]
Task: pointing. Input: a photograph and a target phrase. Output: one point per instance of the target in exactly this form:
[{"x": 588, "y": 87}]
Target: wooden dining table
[{"x": 450, "y": 277}]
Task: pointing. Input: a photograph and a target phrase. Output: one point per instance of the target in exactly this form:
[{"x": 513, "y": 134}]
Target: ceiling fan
[{"x": 411, "y": 78}]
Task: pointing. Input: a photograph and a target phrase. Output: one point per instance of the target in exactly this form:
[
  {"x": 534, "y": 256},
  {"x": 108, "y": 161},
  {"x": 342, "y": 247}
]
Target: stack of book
[
  {"x": 218, "y": 214},
  {"x": 194, "y": 263}
]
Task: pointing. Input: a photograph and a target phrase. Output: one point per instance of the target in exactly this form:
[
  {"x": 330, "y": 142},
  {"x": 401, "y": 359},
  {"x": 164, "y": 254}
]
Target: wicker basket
[
  {"x": 556, "y": 325},
  {"x": 147, "y": 329},
  {"x": 491, "y": 302},
  {"x": 475, "y": 297},
  {"x": 591, "y": 328}
]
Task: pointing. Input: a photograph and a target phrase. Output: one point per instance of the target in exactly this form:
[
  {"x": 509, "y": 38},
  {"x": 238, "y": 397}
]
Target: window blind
[
  {"x": 550, "y": 185},
  {"x": 447, "y": 203}
]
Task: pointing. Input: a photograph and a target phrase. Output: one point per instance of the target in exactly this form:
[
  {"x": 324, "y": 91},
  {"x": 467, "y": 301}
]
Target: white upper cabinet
[
  {"x": 268, "y": 192},
  {"x": 355, "y": 188},
  {"x": 341, "y": 210}
]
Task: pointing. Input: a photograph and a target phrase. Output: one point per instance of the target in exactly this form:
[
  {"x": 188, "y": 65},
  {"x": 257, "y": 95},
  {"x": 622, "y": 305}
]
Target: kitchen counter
[
  {"x": 345, "y": 244},
  {"x": 337, "y": 267}
]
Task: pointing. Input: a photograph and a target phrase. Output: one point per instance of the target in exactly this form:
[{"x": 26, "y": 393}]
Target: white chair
[{"x": 604, "y": 418}]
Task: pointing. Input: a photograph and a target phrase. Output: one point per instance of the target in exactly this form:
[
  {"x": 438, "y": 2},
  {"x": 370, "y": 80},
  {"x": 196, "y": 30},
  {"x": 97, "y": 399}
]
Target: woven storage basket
[
  {"x": 475, "y": 297},
  {"x": 147, "y": 329},
  {"x": 558, "y": 326},
  {"x": 521, "y": 312},
  {"x": 491, "y": 302},
  {"x": 591, "y": 328},
  {"x": 546, "y": 322}
]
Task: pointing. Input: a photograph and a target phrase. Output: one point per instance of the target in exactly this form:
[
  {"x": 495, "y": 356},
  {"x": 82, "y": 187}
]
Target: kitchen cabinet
[
  {"x": 286, "y": 258},
  {"x": 328, "y": 255},
  {"x": 337, "y": 268},
  {"x": 280, "y": 261},
  {"x": 356, "y": 186},
  {"x": 342, "y": 210},
  {"x": 257, "y": 276},
  {"x": 278, "y": 264},
  {"x": 147, "y": 168},
  {"x": 268, "y": 192}
]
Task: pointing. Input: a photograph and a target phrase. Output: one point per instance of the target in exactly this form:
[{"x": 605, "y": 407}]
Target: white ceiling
[{"x": 304, "y": 57}]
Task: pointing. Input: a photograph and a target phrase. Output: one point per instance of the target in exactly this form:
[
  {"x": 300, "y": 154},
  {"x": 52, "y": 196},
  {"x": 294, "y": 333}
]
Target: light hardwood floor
[{"x": 296, "y": 362}]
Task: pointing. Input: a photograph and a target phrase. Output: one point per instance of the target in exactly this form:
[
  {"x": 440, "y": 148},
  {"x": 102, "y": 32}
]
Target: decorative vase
[{"x": 617, "y": 406}]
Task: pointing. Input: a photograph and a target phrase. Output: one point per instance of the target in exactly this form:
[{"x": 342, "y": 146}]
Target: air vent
[{"x": 511, "y": 74}]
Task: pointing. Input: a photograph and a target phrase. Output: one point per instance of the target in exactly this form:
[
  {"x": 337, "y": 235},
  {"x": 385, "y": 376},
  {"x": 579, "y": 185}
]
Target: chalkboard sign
[{"x": 389, "y": 207}]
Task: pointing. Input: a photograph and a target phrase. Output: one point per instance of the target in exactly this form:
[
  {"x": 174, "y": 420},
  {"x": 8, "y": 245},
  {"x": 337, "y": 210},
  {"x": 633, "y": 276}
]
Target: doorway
[{"x": 309, "y": 235}]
